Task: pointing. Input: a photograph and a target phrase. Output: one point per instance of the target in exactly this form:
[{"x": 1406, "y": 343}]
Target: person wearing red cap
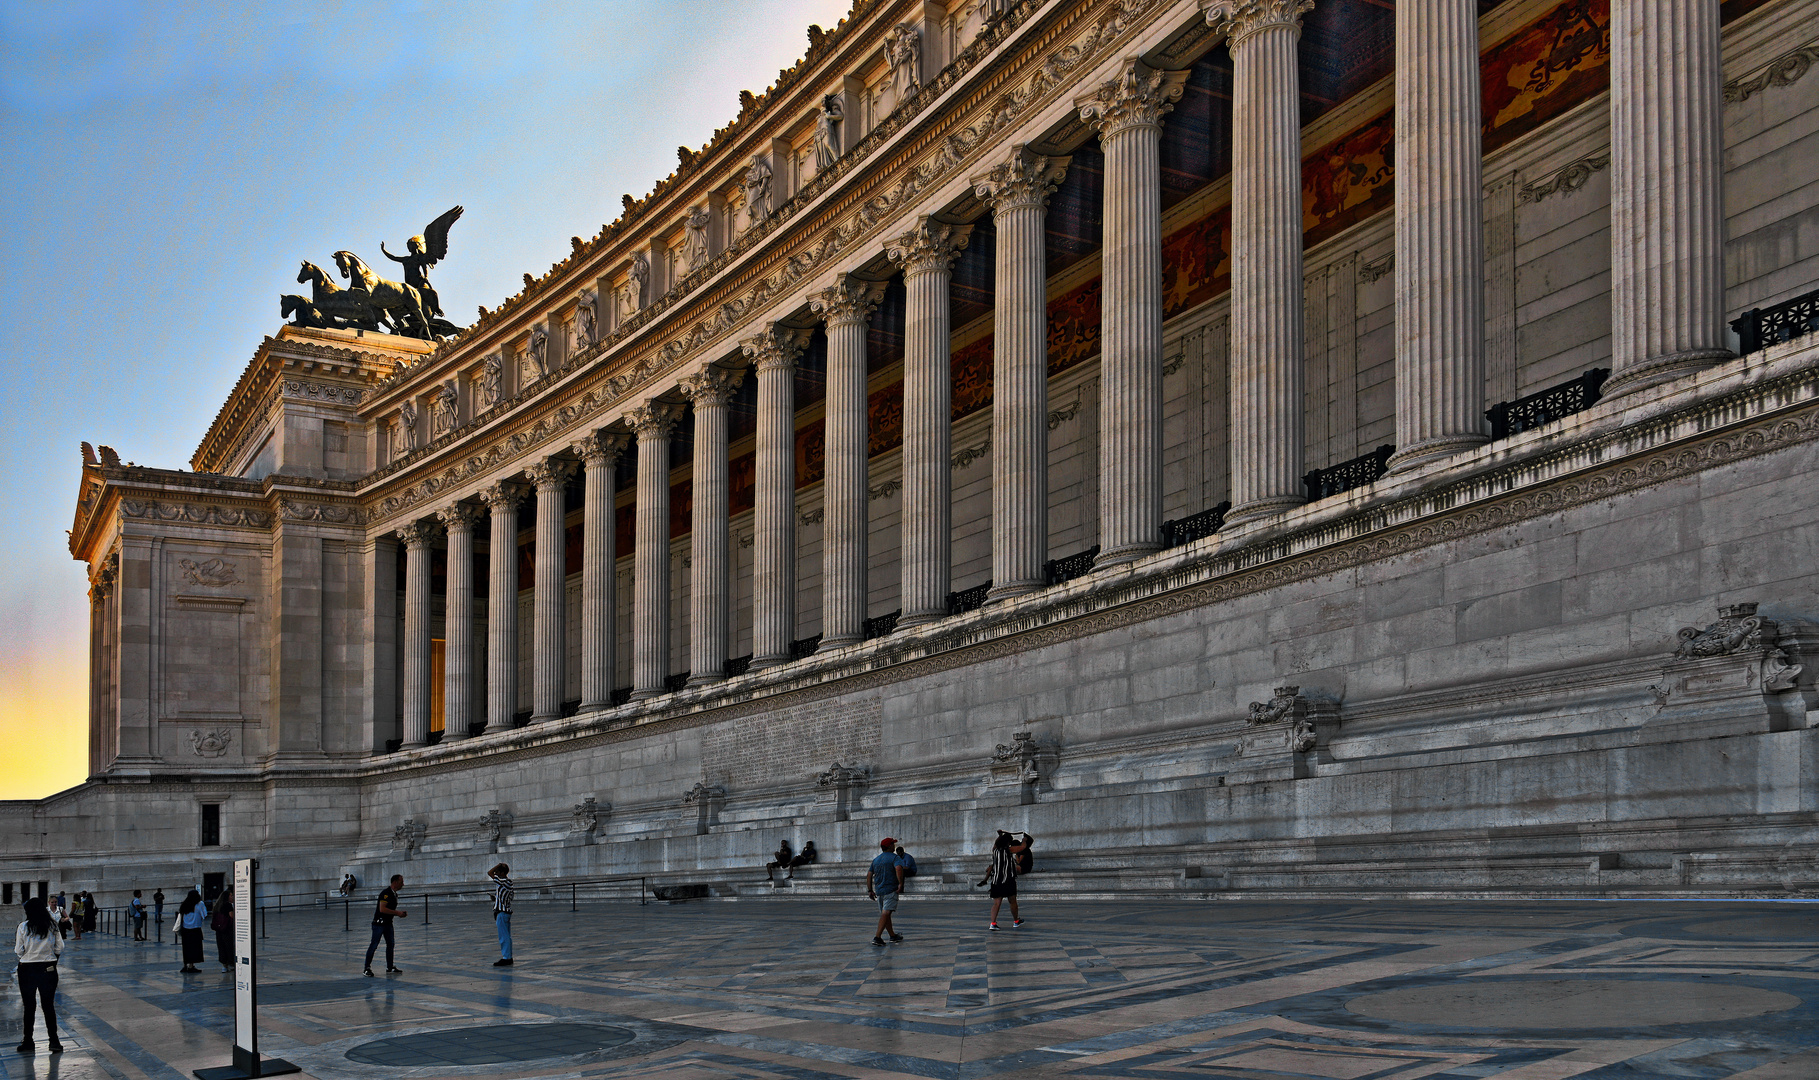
[{"x": 884, "y": 883}]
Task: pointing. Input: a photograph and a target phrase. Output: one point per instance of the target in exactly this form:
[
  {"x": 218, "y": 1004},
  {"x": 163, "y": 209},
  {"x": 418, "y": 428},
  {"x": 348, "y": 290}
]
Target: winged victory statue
[{"x": 409, "y": 308}]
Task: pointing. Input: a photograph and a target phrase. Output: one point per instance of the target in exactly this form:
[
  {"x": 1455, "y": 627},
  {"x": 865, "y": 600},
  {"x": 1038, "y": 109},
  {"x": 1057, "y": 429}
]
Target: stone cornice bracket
[
  {"x": 712, "y": 385},
  {"x": 1286, "y": 707},
  {"x": 551, "y": 472},
  {"x": 1027, "y": 179},
  {"x": 775, "y": 347},
  {"x": 503, "y": 495},
  {"x": 1139, "y": 97},
  {"x": 930, "y": 246},
  {"x": 1240, "y": 19},
  {"x": 1023, "y": 761},
  {"x": 703, "y": 792},
  {"x": 493, "y": 824},
  {"x": 459, "y": 516},
  {"x": 418, "y": 534},
  {"x": 654, "y": 419},
  {"x": 848, "y": 300},
  {"x": 603, "y": 447},
  {"x": 585, "y": 817}
]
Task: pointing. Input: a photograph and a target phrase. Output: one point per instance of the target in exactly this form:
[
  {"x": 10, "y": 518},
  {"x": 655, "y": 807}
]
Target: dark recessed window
[{"x": 211, "y": 824}]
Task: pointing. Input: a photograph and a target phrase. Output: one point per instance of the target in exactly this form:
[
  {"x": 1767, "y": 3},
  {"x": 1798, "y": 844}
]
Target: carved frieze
[
  {"x": 1783, "y": 70},
  {"x": 212, "y": 573},
  {"x": 196, "y": 513},
  {"x": 1566, "y": 179},
  {"x": 210, "y": 742}
]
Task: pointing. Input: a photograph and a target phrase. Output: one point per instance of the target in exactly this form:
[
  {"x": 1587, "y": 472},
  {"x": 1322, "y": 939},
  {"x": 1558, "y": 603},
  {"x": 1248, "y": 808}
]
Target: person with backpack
[
  {"x": 223, "y": 925},
  {"x": 37, "y": 944},
  {"x": 383, "y": 914},
  {"x": 884, "y": 883},
  {"x": 1010, "y": 857},
  {"x": 191, "y": 915},
  {"x": 136, "y": 909},
  {"x": 503, "y": 891}
]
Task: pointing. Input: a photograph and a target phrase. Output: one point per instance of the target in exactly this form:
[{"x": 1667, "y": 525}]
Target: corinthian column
[
  {"x": 652, "y": 422},
  {"x": 417, "y": 537},
  {"x": 774, "y": 513},
  {"x": 458, "y": 622},
  {"x": 709, "y": 608},
  {"x": 846, "y": 306},
  {"x": 548, "y": 620},
  {"x": 502, "y": 499},
  {"x": 926, "y": 254},
  {"x": 1266, "y": 326},
  {"x": 1439, "y": 233},
  {"x": 599, "y": 454},
  {"x": 1667, "y": 198},
  {"x": 1128, "y": 111},
  {"x": 1018, "y": 192}
]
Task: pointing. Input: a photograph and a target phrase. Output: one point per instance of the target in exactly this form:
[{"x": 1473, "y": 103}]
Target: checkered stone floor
[{"x": 1153, "y": 989}]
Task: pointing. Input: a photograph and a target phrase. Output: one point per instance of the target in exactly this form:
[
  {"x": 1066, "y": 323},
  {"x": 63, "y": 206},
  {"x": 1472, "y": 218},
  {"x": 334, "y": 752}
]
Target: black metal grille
[
  {"x": 621, "y": 695},
  {"x": 738, "y": 665},
  {"x": 802, "y": 647},
  {"x": 1185, "y": 530},
  {"x": 1356, "y": 473},
  {"x": 435, "y": 737},
  {"x": 570, "y": 708},
  {"x": 1758, "y": 328},
  {"x": 1545, "y": 406},
  {"x": 520, "y": 719},
  {"x": 1069, "y": 567},
  {"x": 882, "y": 625},
  {"x": 676, "y": 682},
  {"x": 967, "y": 599},
  {"x": 392, "y": 745}
]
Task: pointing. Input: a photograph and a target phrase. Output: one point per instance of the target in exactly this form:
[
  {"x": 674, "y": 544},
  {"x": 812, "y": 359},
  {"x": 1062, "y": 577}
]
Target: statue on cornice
[
  {"x": 640, "y": 275},
  {"x": 757, "y": 191},
  {"x": 407, "y": 426},
  {"x": 695, "y": 245},
  {"x": 423, "y": 251},
  {"x": 492, "y": 380},
  {"x": 444, "y": 416},
  {"x": 584, "y": 321},
  {"x": 903, "y": 51},
  {"x": 827, "y": 136}
]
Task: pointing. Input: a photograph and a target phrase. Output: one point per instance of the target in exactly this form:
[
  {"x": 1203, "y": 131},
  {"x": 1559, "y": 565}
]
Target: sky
[{"x": 171, "y": 163}]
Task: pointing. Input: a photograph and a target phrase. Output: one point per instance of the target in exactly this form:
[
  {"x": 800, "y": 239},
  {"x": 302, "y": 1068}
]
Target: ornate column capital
[
  {"x": 550, "y": 473},
  {"x": 848, "y": 300},
  {"x": 928, "y": 247},
  {"x": 459, "y": 516},
  {"x": 654, "y": 419},
  {"x": 776, "y": 347},
  {"x": 1239, "y": 19},
  {"x": 503, "y": 495},
  {"x": 1138, "y": 97},
  {"x": 1025, "y": 180},
  {"x": 418, "y": 535},
  {"x": 600, "y": 447},
  {"x": 712, "y": 385}
]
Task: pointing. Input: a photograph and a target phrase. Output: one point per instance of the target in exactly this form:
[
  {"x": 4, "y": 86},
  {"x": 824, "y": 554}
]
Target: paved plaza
[{"x": 792, "y": 988}]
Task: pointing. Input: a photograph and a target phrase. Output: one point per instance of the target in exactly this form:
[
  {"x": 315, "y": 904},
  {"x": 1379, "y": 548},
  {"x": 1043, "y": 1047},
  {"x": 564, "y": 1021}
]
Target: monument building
[{"x": 1255, "y": 446}]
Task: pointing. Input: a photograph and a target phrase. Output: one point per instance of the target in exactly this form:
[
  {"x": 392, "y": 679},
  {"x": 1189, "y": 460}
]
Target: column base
[
  {"x": 759, "y": 663},
  {"x": 705, "y": 679},
  {"x": 1010, "y": 590},
  {"x": 919, "y": 618},
  {"x": 590, "y": 706},
  {"x": 411, "y": 746},
  {"x": 494, "y": 729},
  {"x": 841, "y": 642},
  {"x": 1434, "y": 449},
  {"x": 1129, "y": 553},
  {"x": 538, "y": 718},
  {"x": 1660, "y": 369},
  {"x": 1261, "y": 508},
  {"x": 646, "y": 695}
]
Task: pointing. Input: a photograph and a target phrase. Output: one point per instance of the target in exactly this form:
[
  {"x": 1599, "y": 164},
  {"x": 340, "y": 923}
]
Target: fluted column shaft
[
  {"x": 417, "y": 537},
  {"x": 1667, "y": 194},
  {"x": 926, "y": 254},
  {"x": 1128, "y": 113},
  {"x": 652, "y": 424},
  {"x": 710, "y": 605},
  {"x": 1439, "y": 233},
  {"x": 549, "y": 615},
  {"x": 774, "y": 511},
  {"x": 846, "y": 518},
  {"x": 599, "y": 454},
  {"x": 458, "y": 622},
  {"x": 1267, "y": 376},
  {"x": 502, "y": 501},
  {"x": 1018, "y": 193}
]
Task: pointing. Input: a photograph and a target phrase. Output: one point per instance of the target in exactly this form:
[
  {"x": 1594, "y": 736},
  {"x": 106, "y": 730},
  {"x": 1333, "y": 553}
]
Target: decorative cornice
[
  {"x": 196, "y": 513},
  {"x": 1138, "y": 97},
  {"x": 1568, "y": 178},
  {"x": 1784, "y": 70},
  {"x": 1026, "y": 180},
  {"x": 328, "y": 513}
]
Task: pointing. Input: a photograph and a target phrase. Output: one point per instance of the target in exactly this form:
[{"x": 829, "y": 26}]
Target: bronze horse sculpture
[
  {"x": 328, "y": 306},
  {"x": 400, "y": 304}
]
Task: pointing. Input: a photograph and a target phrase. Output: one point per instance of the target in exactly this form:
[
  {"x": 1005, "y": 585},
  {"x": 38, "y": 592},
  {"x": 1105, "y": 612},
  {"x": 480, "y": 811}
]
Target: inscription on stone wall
[{"x": 792, "y": 746}]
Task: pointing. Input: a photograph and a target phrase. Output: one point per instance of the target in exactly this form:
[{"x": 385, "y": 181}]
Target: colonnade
[{"x": 1667, "y": 302}]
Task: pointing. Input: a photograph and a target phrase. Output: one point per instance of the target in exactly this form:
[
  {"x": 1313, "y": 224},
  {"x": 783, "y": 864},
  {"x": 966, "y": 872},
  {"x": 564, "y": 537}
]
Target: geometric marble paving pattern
[{"x": 1160, "y": 989}]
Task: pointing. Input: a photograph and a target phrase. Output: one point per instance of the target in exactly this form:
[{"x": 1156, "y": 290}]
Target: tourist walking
[
  {"x": 136, "y": 909},
  {"x": 503, "y": 889},
  {"x": 158, "y": 912},
  {"x": 1001, "y": 875},
  {"x": 223, "y": 925},
  {"x": 90, "y": 910},
  {"x": 884, "y": 883},
  {"x": 192, "y": 914},
  {"x": 37, "y": 944},
  {"x": 76, "y": 914},
  {"x": 383, "y": 914}
]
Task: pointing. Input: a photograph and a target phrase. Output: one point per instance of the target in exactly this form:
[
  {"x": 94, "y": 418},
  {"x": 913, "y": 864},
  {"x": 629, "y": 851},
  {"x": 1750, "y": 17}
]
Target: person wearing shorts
[
  {"x": 1002, "y": 874},
  {"x": 884, "y": 883}
]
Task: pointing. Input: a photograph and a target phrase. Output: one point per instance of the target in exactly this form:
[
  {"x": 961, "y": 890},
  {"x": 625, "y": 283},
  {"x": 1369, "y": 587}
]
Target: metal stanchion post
[
  {"x": 571, "y": 897},
  {"x": 347, "y": 906},
  {"x": 426, "y": 909},
  {"x": 262, "y": 923}
]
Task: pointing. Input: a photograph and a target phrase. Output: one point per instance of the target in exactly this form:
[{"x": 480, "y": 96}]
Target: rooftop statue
[{"x": 369, "y": 302}]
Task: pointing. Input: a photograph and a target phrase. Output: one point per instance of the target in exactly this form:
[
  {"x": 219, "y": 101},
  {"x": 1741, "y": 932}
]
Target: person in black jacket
[{"x": 223, "y": 925}]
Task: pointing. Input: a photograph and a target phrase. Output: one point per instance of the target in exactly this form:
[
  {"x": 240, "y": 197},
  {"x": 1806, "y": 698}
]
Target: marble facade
[{"x": 972, "y": 470}]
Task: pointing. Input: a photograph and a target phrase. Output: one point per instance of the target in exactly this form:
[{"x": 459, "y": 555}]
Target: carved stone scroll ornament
[
  {"x": 1784, "y": 70},
  {"x": 1287, "y": 707},
  {"x": 711, "y": 385},
  {"x": 1740, "y": 630},
  {"x": 1022, "y": 761},
  {"x": 1239, "y": 19},
  {"x": 846, "y": 781},
  {"x": 848, "y": 301},
  {"x": 492, "y": 827},
  {"x": 212, "y": 573},
  {"x": 407, "y": 837},
  {"x": 1567, "y": 179},
  {"x": 211, "y": 742},
  {"x": 931, "y": 245},
  {"x": 1139, "y": 97}
]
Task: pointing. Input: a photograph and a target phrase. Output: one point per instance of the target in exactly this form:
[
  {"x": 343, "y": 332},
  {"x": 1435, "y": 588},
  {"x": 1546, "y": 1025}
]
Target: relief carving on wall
[
  {"x": 213, "y": 573},
  {"x": 1024, "y": 762},
  {"x": 408, "y": 836},
  {"x": 212, "y": 743},
  {"x": 492, "y": 827},
  {"x": 584, "y": 817},
  {"x": 1286, "y": 707}
]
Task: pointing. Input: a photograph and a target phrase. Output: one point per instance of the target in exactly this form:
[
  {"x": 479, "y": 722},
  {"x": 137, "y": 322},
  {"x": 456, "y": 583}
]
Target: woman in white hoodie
[{"x": 38, "y": 944}]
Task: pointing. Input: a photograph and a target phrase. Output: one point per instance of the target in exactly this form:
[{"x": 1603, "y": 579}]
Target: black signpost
[{"x": 246, "y": 990}]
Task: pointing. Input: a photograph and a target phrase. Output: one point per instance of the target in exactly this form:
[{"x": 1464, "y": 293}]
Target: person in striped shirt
[{"x": 502, "y": 911}]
